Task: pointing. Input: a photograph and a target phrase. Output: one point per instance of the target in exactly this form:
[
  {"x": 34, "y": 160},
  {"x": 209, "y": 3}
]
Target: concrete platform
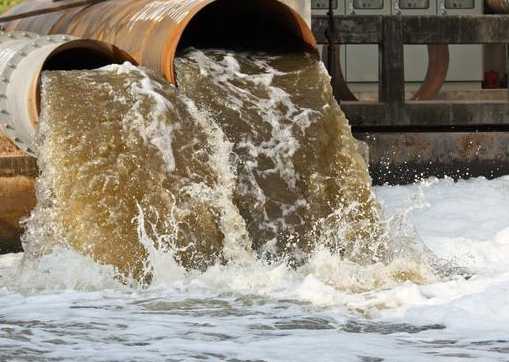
[{"x": 446, "y": 95}]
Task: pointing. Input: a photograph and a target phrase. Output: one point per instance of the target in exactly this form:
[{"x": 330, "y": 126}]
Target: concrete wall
[{"x": 402, "y": 158}]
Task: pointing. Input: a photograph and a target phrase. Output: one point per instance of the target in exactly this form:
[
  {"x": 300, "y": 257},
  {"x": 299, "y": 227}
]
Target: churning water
[
  {"x": 251, "y": 158},
  {"x": 228, "y": 219}
]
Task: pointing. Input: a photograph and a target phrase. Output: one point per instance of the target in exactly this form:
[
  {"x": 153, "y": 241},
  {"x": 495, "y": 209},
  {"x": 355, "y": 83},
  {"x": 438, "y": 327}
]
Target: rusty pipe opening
[
  {"x": 254, "y": 25},
  {"x": 80, "y": 54},
  {"x": 249, "y": 24},
  {"x": 84, "y": 54}
]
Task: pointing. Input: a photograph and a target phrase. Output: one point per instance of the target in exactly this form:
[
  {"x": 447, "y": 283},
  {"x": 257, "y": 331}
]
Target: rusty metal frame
[{"x": 390, "y": 32}]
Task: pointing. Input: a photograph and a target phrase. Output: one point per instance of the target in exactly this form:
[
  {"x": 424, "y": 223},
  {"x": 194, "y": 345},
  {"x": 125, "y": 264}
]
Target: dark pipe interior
[
  {"x": 249, "y": 24},
  {"x": 78, "y": 58}
]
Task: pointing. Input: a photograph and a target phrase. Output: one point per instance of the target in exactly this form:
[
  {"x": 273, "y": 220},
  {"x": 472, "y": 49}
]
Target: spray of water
[
  {"x": 245, "y": 170},
  {"x": 301, "y": 181}
]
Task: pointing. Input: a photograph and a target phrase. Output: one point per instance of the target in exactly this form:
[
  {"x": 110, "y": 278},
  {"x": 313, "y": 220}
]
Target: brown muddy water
[
  {"x": 249, "y": 156},
  {"x": 231, "y": 218}
]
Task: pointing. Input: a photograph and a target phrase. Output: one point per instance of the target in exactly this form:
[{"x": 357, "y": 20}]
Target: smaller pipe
[
  {"x": 438, "y": 65},
  {"x": 23, "y": 57},
  {"x": 329, "y": 34},
  {"x": 339, "y": 86}
]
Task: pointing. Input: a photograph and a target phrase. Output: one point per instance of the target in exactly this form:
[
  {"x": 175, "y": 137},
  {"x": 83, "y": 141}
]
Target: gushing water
[
  {"x": 300, "y": 180},
  {"x": 250, "y": 158},
  {"x": 129, "y": 168},
  {"x": 240, "y": 205}
]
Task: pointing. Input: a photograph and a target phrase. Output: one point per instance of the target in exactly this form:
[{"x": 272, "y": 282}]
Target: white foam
[{"x": 270, "y": 312}]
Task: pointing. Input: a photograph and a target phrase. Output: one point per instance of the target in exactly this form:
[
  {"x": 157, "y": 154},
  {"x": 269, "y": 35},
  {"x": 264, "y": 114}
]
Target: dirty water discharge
[
  {"x": 250, "y": 157},
  {"x": 225, "y": 219}
]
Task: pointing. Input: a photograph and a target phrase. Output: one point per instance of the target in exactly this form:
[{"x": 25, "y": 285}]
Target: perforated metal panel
[
  {"x": 416, "y": 56},
  {"x": 415, "y": 5},
  {"x": 320, "y": 7},
  {"x": 466, "y": 61},
  {"x": 362, "y": 60},
  {"x": 462, "y": 5}
]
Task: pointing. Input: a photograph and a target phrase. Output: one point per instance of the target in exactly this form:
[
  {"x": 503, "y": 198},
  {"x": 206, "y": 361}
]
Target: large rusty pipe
[
  {"x": 23, "y": 56},
  {"x": 498, "y": 6},
  {"x": 153, "y": 31}
]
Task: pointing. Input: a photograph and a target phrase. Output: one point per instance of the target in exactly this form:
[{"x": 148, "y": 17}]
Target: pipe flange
[
  {"x": 9, "y": 36},
  {"x": 33, "y": 42},
  {"x": 41, "y": 41}
]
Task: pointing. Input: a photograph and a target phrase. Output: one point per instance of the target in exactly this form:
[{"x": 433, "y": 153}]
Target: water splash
[
  {"x": 301, "y": 181},
  {"x": 251, "y": 156},
  {"x": 103, "y": 160}
]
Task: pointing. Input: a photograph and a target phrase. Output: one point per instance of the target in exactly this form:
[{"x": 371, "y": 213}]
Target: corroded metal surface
[
  {"x": 16, "y": 164},
  {"x": 152, "y": 31},
  {"x": 51, "y": 7},
  {"x": 17, "y": 193},
  {"x": 17, "y": 199},
  {"x": 498, "y": 6}
]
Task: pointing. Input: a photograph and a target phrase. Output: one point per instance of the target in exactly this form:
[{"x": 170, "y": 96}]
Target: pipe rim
[
  {"x": 116, "y": 55},
  {"x": 172, "y": 44},
  {"x": 56, "y": 44}
]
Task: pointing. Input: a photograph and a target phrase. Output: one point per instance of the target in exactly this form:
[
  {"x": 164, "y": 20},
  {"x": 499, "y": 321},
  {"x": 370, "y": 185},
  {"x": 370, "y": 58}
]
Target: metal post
[
  {"x": 392, "y": 75},
  {"x": 329, "y": 34},
  {"x": 507, "y": 68}
]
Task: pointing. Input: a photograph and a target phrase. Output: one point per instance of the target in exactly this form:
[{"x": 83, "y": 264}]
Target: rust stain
[
  {"x": 17, "y": 199},
  {"x": 470, "y": 144},
  {"x": 7, "y": 148}
]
